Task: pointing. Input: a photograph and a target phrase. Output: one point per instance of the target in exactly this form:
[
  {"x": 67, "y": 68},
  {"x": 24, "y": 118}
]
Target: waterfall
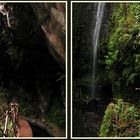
[{"x": 99, "y": 16}]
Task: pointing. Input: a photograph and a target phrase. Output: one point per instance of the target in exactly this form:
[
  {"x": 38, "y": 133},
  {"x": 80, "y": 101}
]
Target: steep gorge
[
  {"x": 116, "y": 80},
  {"x": 32, "y": 64}
]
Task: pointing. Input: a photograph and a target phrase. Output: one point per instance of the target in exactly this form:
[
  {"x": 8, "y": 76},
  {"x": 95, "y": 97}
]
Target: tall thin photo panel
[
  {"x": 33, "y": 69},
  {"x": 105, "y": 69}
]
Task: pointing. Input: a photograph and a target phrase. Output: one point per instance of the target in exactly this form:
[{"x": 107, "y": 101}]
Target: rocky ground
[{"x": 87, "y": 123}]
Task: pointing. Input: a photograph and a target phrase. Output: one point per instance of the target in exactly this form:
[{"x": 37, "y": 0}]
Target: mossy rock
[{"x": 121, "y": 119}]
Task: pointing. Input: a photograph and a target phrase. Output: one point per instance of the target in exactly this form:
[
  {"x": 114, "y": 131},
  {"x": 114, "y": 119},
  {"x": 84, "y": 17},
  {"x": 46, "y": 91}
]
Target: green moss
[{"x": 121, "y": 119}]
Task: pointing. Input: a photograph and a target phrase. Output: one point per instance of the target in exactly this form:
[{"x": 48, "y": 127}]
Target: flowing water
[{"x": 99, "y": 16}]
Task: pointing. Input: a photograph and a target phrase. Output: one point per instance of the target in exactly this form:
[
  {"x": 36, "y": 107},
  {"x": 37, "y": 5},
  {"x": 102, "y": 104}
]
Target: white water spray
[{"x": 99, "y": 16}]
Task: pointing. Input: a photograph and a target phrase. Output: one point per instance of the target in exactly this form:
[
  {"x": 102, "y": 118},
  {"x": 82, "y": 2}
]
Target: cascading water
[{"x": 99, "y": 16}]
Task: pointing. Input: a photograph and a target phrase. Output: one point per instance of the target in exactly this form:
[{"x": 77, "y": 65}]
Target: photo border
[
  {"x": 66, "y": 69},
  {"x": 72, "y": 69}
]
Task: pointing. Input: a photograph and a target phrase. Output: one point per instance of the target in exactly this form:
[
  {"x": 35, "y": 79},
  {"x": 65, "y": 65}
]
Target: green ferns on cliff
[
  {"x": 122, "y": 64},
  {"x": 122, "y": 55},
  {"x": 121, "y": 119}
]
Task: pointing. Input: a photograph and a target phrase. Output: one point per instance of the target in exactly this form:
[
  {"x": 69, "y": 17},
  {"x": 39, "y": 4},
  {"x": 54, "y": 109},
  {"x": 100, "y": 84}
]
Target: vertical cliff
[
  {"x": 117, "y": 75},
  {"x": 32, "y": 64}
]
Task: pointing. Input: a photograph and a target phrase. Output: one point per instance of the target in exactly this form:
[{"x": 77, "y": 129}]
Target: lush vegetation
[
  {"x": 121, "y": 62},
  {"x": 118, "y": 64},
  {"x": 121, "y": 119},
  {"x": 121, "y": 58}
]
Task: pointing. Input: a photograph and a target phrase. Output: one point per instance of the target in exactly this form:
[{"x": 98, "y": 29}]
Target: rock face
[
  {"x": 51, "y": 18},
  {"x": 52, "y": 21},
  {"x": 88, "y": 115},
  {"x": 34, "y": 48},
  {"x": 83, "y": 28}
]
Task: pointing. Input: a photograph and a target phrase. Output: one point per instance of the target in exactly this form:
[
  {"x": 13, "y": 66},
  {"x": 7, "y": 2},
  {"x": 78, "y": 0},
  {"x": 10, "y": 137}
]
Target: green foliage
[
  {"x": 122, "y": 46},
  {"x": 55, "y": 116},
  {"x": 121, "y": 120},
  {"x": 106, "y": 124},
  {"x": 24, "y": 109},
  {"x": 10, "y": 130},
  {"x": 4, "y": 95}
]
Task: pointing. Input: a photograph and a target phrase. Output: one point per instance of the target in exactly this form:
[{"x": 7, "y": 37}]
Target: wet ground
[{"x": 86, "y": 123}]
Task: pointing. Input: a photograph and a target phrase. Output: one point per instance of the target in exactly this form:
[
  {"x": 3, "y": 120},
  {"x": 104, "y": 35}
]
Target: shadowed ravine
[
  {"x": 32, "y": 62},
  {"x": 106, "y": 69}
]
